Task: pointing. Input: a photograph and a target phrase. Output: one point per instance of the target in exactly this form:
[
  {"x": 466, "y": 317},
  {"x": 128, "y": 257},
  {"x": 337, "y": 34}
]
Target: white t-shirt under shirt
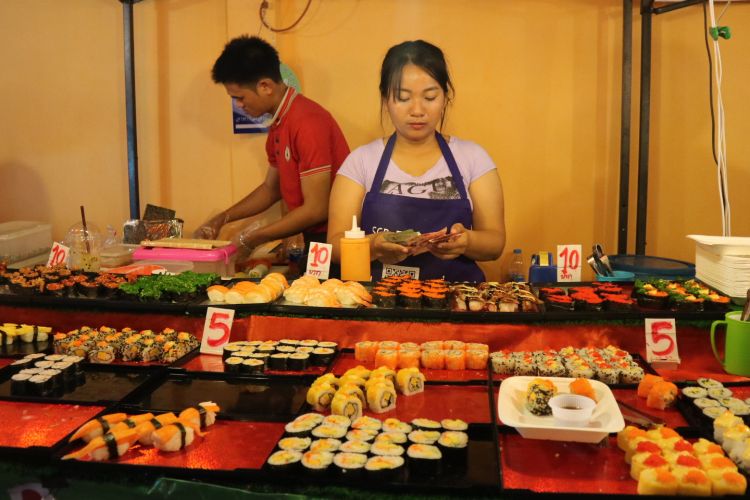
[{"x": 437, "y": 183}]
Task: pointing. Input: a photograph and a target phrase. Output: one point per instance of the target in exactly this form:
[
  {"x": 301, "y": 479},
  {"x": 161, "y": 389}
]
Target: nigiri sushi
[
  {"x": 98, "y": 426},
  {"x": 133, "y": 421},
  {"x": 146, "y": 429},
  {"x": 175, "y": 436},
  {"x": 202, "y": 415},
  {"x": 110, "y": 445}
]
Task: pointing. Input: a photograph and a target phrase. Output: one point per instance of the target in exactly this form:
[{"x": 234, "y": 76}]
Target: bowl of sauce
[{"x": 572, "y": 410}]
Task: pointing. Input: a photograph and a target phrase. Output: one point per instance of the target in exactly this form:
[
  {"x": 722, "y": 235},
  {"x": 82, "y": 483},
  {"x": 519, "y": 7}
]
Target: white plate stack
[{"x": 723, "y": 262}]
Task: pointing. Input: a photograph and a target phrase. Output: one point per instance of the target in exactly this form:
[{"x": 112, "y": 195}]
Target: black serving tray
[
  {"x": 105, "y": 384},
  {"x": 696, "y": 420},
  {"x": 20, "y": 349},
  {"x": 265, "y": 399}
]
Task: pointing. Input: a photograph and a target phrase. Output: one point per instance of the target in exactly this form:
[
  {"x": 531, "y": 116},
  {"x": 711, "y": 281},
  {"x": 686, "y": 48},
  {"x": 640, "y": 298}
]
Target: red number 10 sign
[
  {"x": 569, "y": 263},
  {"x": 319, "y": 260},
  {"x": 58, "y": 255}
]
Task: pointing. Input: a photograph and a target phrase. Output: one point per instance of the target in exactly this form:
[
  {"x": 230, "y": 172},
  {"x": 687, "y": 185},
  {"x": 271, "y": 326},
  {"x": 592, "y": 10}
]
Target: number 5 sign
[
  {"x": 216, "y": 330},
  {"x": 568, "y": 262},
  {"x": 661, "y": 342},
  {"x": 319, "y": 260}
]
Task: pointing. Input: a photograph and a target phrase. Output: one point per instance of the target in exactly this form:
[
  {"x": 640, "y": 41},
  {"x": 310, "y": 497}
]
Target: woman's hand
[
  {"x": 387, "y": 252},
  {"x": 210, "y": 230},
  {"x": 451, "y": 249}
]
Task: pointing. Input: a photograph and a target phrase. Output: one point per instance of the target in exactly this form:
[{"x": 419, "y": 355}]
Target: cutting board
[{"x": 191, "y": 243}]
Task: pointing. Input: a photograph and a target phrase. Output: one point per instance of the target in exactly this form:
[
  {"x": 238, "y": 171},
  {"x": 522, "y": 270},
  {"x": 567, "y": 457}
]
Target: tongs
[
  {"x": 636, "y": 416},
  {"x": 599, "y": 261}
]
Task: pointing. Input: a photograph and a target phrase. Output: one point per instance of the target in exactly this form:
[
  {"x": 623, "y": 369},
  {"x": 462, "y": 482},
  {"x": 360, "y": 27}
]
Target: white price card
[
  {"x": 661, "y": 342},
  {"x": 58, "y": 255},
  {"x": 319, "y": 260},
  {"x": 569, "y": 263},
  {"x": 216, "y": 330}
]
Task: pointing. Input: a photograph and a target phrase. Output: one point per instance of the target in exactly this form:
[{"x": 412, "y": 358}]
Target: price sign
[
  {"x": 216, "y": 330},
  {"x": 568, "y": 262},
  {"x": 319, "y": 260},
  {"x": 661, "y": 342},
  {"x": 58, "y": 255}
]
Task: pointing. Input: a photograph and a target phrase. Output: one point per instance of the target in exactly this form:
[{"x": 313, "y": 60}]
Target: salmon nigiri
[
  {"x": 147, "y": 428},
  {"x": 202, "y": 415},
  {"x": 175, "y": 436},
  {"x": 110, "y": 445},
  {"x": 98, "y": 426}
]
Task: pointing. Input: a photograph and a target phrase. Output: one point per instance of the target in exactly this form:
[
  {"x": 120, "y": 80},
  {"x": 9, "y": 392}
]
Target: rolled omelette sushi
[
  {"x": 348, "y": 405},
  {"x": 410, "y": 381},
  {"x": 381, "y": 398},
  {"x": 320, "y": 396}
]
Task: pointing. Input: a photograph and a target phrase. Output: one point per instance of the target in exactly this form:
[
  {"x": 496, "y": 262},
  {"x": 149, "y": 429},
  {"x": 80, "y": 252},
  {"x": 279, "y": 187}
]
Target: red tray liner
[
  {"x": 346, "y": 361},
  {"x": 559, "y": 467},
  {"x": 228, "y": 445},
  {"x": 213, "y": 363},
  {"x": 5, "y": 362},
  {"x": 671, "y": 416},
  {"x": 37, "y": 424}
]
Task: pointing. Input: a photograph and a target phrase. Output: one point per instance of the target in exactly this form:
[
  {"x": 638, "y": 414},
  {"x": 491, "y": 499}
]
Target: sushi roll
[
  {"x": 289, "y": 342},
  {"x": 278, "y": 361},
  {"x": 298, "y": 361},
  {"x": 304, "y": 350},
  {"x": 367, "y": 423},
  {"x": 252, "y": 366},
  {"x": 355, "y": 446},
  {"x": 338, "y": 420},
  {"x": 284, "y": 460},
  {"x": 727, "y": 483},
  {"x": 103, "y": 447},
  {"x": 425, "y": 424},
  {"x": 713, "y": 412},
  {"x": 19, "y": 384},
  {"x": 433, "y": 359},
  {"x": 387, "y": 449},
  {"x": 308, "y": 343},
  {"x": 408, "y": 358},
  {"x": 657, "y": 482},
  {"x": 316, "y": 463},
  {"x": 366, "y": 435},
  {"x": 454, "y": 446},
  {"x": 348, "y": 405},
  {"x": 423, "y": 460},
  {"x": 454, "y": 424},
  {"x": 502, "y": 363},
  {"x": 322, "y": 356},
  {"x": 395, "y": 425},
  {"x": 393, "y": 437},
  {"x": 329, "y": 445},
  {"x": 387, "y": 357},
  {"x": 477, "y": 359},
  {"x": 328, "y": 345},
  {"x": 692, "y": 482},
  {"x": 320, "y": 396},
  {"x": 233, "y": 364},
  {"x": 662, "y": 395},
  {"x": 350, "y": 465},
  {"x": 383, "y": 298},
  {"x": 300, "y": 428},
  {"x": 434, "y": 300},
  {"x": 455, "y": 359},
  {"x": 384, "y": 468},
  {"x": 709, "y": 383},
  {"x": 424, "y": 437},
  {"x": 410, "y": 381},
  {"x": 364, "y": 351},
  {"x": 329, "y": 431},
  {"x": 538, "y": 394},
  {"x": 719, "y": 393},
  {"x": 286, "y": 349},
  {"x": 22, "y": 363},
  {"x": 39, "y": 385},
  {"x": 381, "y": 397},
  {"x": 632, "y": 374},
  {"x": 314, "y": 418},
  {"x": 409, "y": 299},
  {"x": 230, "y": 349}
]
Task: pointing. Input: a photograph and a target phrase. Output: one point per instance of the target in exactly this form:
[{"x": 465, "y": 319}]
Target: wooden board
[{"x": 195, "y": 244}]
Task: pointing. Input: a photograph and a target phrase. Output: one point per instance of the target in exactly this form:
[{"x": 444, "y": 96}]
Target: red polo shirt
[{"x": 304, "y": 139}]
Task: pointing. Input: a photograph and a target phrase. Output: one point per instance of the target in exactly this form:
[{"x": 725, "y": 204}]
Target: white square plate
[{"x": 511, "y": 409}]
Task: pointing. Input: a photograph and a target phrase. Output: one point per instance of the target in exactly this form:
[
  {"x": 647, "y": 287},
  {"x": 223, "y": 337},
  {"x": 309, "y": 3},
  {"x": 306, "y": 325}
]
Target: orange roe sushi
[
  {"x": 647, "y": 383},
  {"x": 473, "y": 346},
  {"x": 582, "y": 387},
  {"x": 433, "y": 344},
  {"x": 455, "y": 360},
  {"x": 387, "y": 357},
  {"x": 433, "y": 359},
  {"x": 476, "y": 359},
  {"x": 409, "y": 358},
  {"x": 365, "y": 351},
  {"x": 662, "y": 395},
  {"x": 454, "y": 345},
  {"x": 627, "y": 435}
]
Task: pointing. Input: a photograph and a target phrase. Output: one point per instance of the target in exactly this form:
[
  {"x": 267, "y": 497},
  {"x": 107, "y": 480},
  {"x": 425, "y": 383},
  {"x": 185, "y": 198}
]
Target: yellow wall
[{"x": 537, "y": 81}]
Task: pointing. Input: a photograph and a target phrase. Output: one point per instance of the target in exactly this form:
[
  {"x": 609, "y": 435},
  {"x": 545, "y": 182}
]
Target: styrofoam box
[{"x": 20, "y": 240}]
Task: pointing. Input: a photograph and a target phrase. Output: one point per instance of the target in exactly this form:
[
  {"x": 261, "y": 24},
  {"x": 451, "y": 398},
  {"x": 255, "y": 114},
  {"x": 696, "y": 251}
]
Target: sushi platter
[{"x": 700, "y": 408}]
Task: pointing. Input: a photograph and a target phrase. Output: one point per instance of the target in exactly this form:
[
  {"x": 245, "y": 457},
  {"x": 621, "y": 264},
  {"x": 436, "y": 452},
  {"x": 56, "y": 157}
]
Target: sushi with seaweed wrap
[
  {"x": 538, "y": 394},
  {"x": 322, "y": 356},
  {"x": 366, "y": 435},
  {"x": 384, "y": 468},
  {"x": 367, "y": 423},
  {"x": 338, "y": 420},
  {"x": 298, "y": 361},
  {"x": 233, "y": 364},
  {"x": 386, "y": 448},
  {"x": 294, "y": 443},
  {"x": 329, "y": 445},
  {"x": 278, "y": 361},
  {"x": 424, "y": 437},
  {"x": 355, "y": 446},
  {"x": 425, "y": 424},
  {"x": 454, "y": 446},
  {"x": 351, "y": 465},
  {"x": 252, "y": 366},
  {"x": 284, "y": 460},
  {"x": 329, "y": 431},
  {"x": 316, "y": 463},
  {"x": 423, "y": 460},
  {"x": 393, "y": 437}
]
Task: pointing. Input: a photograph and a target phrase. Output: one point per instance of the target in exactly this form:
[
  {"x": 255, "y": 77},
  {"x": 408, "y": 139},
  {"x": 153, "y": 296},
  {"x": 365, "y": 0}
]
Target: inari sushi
[
  {"x": 381, "y": 397},
  {"x": 175, "y": 436}
]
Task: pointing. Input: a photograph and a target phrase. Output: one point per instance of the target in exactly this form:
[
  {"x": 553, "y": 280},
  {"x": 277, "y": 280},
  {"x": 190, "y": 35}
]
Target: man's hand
[{"x": 210, "y": 230}]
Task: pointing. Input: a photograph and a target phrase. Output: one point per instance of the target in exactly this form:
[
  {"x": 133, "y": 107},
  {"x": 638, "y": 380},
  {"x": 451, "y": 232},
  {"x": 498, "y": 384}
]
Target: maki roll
[
  {"x": 365, "y": 435},
  {"x": 22, "y": 363},
  {"x": 619, "y": 303},
  {"x": 454, "y": 424},
  {"x": 652, "y": 299},
  {"x": 347, "y": 405},
  {"x": 230, "y": 349},
  {"x": 392, "y": 437},
  {"x": 329, "y": 431},
  {"x": 284, "y": 460},
  {"x": 424, "y": 460},
  {"x": 39, "y": 385},
  {"x": 454, "y": 446},
  {"x": 694, "y": 392},
  {"x": 381, "y": 397},
  {"x": 384, "y": 468},
  {"x": 322, "y": 356},
  {"x": 455, "y": 360},
  {"x": 709, "y": 383},
  {"x": 233, "y": 364},
  {"x": 382, "y": 298},
  {"x": 278, "y": 361},
  {"x": 350, "y": 464},
  {"x": 424, "y": 437},
  {"x": 102, "y": 354},
  {"x": 328, "y": 345},
  {"x": 559, "y": 303},
  {"x": 386, "y": 448},
  {"x": 329, "y": 445},
  {"x": 409, "y": 358},
  {"x": 434, "y": 300},
  {"x": 410, "y": 299},
  {"x": 367, "y": 423},
  {"x": 289, "y": 342},
  {"x": 538, "y": 394},
  {"x": 387, "y": 357},
  {"x": 316, "y": 463},
  {"x": 298, "y": 361},
  {"x": 252, "y": 366},
  {"x": 285, "y": 349},
  {"x": 19, "y": 384},
  {"x": 355, "y": 446},
  {"x": 308, "y": 343},
  {"x": 410, "y": 381},
  {"x": 338, "y": 420},
  {"x": 395, "y": 425},
  {"x": 425, "y": 424},
  {"x": 433, "y": 359},
  {"x": 320, "y": 395}
]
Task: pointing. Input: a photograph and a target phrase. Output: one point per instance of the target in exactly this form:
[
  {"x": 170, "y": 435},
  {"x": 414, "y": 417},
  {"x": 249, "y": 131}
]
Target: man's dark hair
[{"x": 245, "y": 60}]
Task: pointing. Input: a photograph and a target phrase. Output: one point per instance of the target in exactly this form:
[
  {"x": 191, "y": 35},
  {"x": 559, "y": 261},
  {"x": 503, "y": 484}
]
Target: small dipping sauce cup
[{"x": 572, "y": 410}]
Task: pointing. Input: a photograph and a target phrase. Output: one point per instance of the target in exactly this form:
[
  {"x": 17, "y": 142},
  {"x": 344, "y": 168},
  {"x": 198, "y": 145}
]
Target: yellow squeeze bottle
[{"x": 355, "y": 254}]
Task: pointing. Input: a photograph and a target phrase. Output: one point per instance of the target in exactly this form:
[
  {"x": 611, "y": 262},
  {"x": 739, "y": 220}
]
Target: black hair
[
  {"x": 245, "y": 60},
  {"x": 424, "y": 55}
]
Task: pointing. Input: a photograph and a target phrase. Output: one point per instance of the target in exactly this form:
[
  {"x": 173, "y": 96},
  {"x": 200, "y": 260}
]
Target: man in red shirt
[{"x": 305, "y": 146}]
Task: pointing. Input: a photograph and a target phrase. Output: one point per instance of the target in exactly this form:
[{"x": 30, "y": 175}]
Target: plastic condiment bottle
[{"x": 355, "y": 254}]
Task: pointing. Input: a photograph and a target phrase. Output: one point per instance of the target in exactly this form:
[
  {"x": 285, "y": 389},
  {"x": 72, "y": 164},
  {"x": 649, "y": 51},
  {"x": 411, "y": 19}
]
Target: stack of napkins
[{"x": 723, "y": 262}]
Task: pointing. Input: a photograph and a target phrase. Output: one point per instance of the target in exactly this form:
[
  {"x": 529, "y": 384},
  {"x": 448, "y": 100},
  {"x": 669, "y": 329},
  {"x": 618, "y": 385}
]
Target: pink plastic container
[{"x": 218, "y": 260}]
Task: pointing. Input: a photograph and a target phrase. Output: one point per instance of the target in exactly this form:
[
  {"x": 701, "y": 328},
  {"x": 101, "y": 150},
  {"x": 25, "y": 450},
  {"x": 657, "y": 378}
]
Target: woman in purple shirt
[{"x": 420, "y": 179}]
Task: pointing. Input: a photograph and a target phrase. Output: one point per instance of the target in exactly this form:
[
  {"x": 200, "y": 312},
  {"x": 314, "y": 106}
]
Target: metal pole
[
  {"x": 625, "y": 105},
  {"x": 640, "y": 232},
  {"x": 132, "y": 136}
]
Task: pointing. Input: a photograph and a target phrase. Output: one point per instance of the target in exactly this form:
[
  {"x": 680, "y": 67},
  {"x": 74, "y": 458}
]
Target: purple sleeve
[
  {"x": 479, "y": 161},
  {"x": 354, "y": 167}
]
